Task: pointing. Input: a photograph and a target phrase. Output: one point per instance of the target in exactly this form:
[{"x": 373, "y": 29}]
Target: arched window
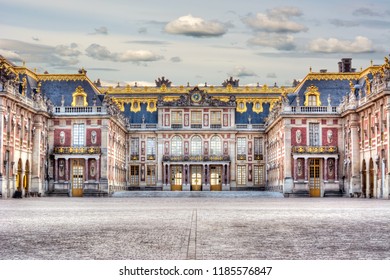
[
  {"x": 196, "y": 146},
  {"x": 176, "y": 146},
  {"x": 215, "y": 145},
  {"x": 312, "y": 96}
]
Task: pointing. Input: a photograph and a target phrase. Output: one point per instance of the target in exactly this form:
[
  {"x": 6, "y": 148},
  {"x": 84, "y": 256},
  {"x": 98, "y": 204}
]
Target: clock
[{"x": 196, "y": 97}]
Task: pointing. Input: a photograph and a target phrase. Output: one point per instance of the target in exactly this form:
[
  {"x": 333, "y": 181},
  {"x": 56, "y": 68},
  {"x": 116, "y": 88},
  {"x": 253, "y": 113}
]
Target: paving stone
[{"x": 247, "y": 227}]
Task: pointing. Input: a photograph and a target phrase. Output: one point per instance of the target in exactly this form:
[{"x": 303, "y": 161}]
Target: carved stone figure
[
  {"x": 92, "y": 169},
  {"x": 298, "y": 136},
  {"x": 61, "y": 169},
  {"x": 329, "y": 135},
  {"x": 93, "y": 137},
  {"x": 299, "y": 167},
  {"x": 62, "y": 138}
]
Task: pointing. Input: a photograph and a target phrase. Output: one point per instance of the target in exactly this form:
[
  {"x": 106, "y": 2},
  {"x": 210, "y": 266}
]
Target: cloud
[
  {"x": 35, "y": 38},
  {"x": 142, "y": 30},
  {"x": 277, "y": 41},
  {"x": 64, "y": 50},
  {"x": 147, "y": 42},
  {"x": 195, "y": 27},
  {"x": 101, "y": 30},
  {"x": 343, "y": 23},
  {"x": 271, "y": 75},
  {"x": 61, "y": 55},
  {"x": 369, "y": 12},
  {"x": 242, "y": 71},
  {"x": 333, "y": 45},
  {"x": 276, "y": 20},
  {"x": 13, "y": 56},
  {"x": 175, "y": 59},
  {"x": 99, "y": 52}
]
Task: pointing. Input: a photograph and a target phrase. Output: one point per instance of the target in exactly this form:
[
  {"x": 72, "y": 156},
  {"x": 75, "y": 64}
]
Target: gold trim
[
  {"x": 153, "y": 108},
  {"x": 79, "y": 92},
  {"x": 241, "y": 106},
  {"x": 312, "y": 90},
  {"x": 62, "y": 77}
]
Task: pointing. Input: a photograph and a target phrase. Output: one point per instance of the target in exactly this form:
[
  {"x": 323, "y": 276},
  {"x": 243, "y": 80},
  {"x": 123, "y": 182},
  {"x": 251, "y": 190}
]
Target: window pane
[
  {"x": 176, "y": 117},
  {"x": 215, "y": 146},
  {"x": 176, "y": 146},
  {"x": 196, "y": 146},
  {"x": 215, "y": 117},
  {"x": 241, "y": 175},
  {"x": 241, "y": 146},
  {"x": 258, "y": 146},
  {"x": 78, "y": 134},
  {"x": 134, "y": 146},
  {"x": 151, "y": 146},
  {"x": 196, "y": 117}
]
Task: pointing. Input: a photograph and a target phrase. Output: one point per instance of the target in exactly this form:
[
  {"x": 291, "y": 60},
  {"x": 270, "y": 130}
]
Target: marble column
[
  {"x": 56, "y": 169},
  {"x": 86, "y": 170},
  {"x": 306, "y": 169},
  {"x": 325, "y": 169}
]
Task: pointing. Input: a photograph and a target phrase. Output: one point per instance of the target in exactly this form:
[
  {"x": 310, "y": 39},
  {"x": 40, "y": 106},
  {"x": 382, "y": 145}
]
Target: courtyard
[{"x": 189, "y": 228}]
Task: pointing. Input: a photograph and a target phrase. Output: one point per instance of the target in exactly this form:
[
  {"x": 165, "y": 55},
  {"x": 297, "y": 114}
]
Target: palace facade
[{"x": 63, "y": 134}]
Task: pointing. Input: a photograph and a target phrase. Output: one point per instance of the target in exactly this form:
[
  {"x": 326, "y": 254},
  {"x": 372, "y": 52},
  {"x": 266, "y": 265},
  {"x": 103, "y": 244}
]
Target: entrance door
[
  {"x": 176, "y": 178},
  {"x": 77, "y": 177},
  {"x": 196, "y": 178},
  {"x": 215, "y": 178},
  {"x": 314, "y": 182}
]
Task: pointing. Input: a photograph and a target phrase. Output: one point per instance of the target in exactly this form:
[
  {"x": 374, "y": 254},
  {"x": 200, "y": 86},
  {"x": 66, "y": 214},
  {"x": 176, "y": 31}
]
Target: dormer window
[
  {"x": 312, "y": 96},
  {"x": 79, "y": 98}
]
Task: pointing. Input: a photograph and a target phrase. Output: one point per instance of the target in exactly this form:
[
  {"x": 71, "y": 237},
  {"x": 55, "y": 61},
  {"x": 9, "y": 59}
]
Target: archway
[
  {"x": 19, "y": 176},
  {"x": 26, "y": 177},
  {"x": 364, "y": 179},
  {"x": 371, "y": 179}
]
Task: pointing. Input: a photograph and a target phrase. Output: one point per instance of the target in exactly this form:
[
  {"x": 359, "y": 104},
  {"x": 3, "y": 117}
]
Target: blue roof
[
  {"x": 336, "y": 89},
  {"x": 256, "y": 118},
  {"x": 54, "y": 90}
]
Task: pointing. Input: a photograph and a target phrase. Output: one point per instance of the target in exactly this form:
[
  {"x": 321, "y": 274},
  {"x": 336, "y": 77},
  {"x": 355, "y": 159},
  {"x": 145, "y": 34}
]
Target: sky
[{"x": 194, "y": 42}]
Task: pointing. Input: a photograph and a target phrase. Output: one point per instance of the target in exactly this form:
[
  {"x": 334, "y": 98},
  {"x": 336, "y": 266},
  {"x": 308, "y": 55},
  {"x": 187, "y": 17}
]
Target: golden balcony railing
[
  {"x": 77, "y": 150},
  {"x": 198, "y": 158},
  {"x": 315, "y": 149}
]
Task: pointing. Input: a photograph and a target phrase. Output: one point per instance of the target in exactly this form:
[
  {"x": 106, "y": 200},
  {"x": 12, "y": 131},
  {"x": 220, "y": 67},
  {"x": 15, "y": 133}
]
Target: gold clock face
[{"x": 196, "y": 97}]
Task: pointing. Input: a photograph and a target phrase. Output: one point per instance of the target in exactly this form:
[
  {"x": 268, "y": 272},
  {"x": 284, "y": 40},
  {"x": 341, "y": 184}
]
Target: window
[
  {"x": 176, "y": 119},
  {"x": 196, "y": 146},
  {"x": 176, "y": 146},
  {"x": 258, "y": 174},
  {"x": 78, "y": 134},
  {"x": 196, "y": 119},
  {"x": 151, "y": 146},
  {"x": 241, "y": 146},
  {"x": 258, "y": 148},
  {"x": 134, "y": 175},
  {"x": 134, "y": 148},
  {"x": 151, "y": 175},
  {"x": 215, "y": 146},
  {"x": 314, "y": 137},
  {"x": 215, "y": 121},
  {"x": 241, "y": 175},
  {"x": 312, "y": 100}
]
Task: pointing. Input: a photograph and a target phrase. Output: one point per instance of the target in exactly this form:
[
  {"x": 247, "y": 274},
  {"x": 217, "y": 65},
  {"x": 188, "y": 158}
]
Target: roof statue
[
  {"x": 233, "y": 83},
  {"x": 162, "y": 81}
]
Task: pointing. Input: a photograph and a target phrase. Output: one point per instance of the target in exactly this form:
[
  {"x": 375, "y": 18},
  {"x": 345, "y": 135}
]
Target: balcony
[
  {"x": 315, "y": 149},
  {"x": 134, "y": 157},
  {"x": 310, "y": 109},
  {"x": 88, "y": 110},
  {"x": 176, "y": 126},
  {"x": 197, "y": 158},
  {"x": 151, "y": 157},
  {"x": 77, "y": 150},
  {"x": 241, "y": 157}
]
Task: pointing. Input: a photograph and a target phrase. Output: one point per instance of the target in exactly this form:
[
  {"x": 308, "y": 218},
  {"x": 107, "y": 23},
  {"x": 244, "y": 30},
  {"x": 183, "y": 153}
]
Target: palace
[{"x": 62, "y": 134}]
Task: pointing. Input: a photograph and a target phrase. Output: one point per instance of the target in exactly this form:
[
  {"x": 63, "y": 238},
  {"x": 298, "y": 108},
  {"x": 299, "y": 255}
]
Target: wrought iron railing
[
  {"x": 77, "y": 150},
  {"x": 198, "y": 158},
  {"x": 315, "y": 149}
]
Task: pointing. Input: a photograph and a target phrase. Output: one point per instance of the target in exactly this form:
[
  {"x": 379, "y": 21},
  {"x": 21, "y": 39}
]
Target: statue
[
  {"x": 330, "y": 136},
  {"x": 298, "y": 136},
  {"x": 93, "y": 137}
]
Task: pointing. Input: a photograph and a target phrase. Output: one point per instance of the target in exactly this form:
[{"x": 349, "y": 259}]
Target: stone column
[
  {"x": 228, "y": 175},
  {"x": 325, "y": 169},
  {"x": 56, "y": 170},
  {"x": 97, "y": 169},
  {"x": 306, "y": 169},
  {"x": 295, "y": 169},
  {"x": 355, "y": 184},
  {"x": 86, "y": 170},
  {"x": 66, "y": 169},
  {"x": 185, "y": 184},
  {"x": 36, "y": 176},
  {"x": 288, "y": 181},
  {"x": 336, "y": 163}
]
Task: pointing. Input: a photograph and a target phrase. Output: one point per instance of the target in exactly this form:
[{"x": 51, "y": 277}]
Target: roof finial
[
  {"x": 371, "y": 61},
  {"x": 310, "y": 69}
]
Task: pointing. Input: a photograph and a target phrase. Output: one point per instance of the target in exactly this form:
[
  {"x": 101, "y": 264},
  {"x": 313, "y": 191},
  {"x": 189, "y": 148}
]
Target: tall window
[
  {"x": 241, "y": 175},
  {"x": 215, "y": 121},
  {"x": 196, "y": 146},
  {"x": 151, "y": 175},
  {"x": 176, "y": 119},
  {"x": 241, "y": 146},
  {"x": 78, "y": 134},
  {"x": 258, "y": 174},
  {"x": 196, "y": 119},
  {"x": 314, "y": 134},
  {"x": 176, "y": 146},
  {"x": 151, "y": 146},
  {"x": 258, "y": 147},
  {"x": 134, "y": 175},
  {"x": 134, "y": 148},
  {"x": 215, "y": 146}
]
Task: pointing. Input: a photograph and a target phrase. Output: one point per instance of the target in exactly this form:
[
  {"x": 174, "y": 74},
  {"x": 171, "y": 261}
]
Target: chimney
[
  {"x": 323, "y": 70},
  {"x": 345, "y": 65}
]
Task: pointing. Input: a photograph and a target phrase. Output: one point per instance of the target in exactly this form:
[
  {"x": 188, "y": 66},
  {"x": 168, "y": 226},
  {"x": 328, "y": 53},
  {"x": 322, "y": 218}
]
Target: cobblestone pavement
[{"x": 194, "y": 228}]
